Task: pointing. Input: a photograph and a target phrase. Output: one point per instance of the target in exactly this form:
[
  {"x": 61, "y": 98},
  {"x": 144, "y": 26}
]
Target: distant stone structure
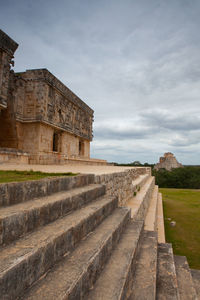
[
  {"x": 39, "y": 115},
  {"x": 168, "y": 162}
]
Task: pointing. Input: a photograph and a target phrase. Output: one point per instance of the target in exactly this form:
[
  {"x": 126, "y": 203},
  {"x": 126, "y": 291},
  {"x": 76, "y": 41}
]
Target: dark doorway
[
  {"x": 55, "y": 141},
  {"x": 81, "y": 148}
]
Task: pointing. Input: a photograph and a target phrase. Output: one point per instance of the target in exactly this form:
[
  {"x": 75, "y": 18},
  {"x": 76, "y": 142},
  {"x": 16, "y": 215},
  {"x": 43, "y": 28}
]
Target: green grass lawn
[
  {"x": 183, "y": 207},
  {"x": 12, "y": 176}
]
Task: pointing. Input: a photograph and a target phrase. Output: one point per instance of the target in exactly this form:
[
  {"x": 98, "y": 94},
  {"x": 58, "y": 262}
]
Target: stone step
[
  {"x": 140, "y": 202},
  {"x": 184, "y": 278},
  {"x": 151, "y": 217},
  {"x": 115, "y": 281},
  {"x": 123, "y": 184},
  {"x": 196, "y": 281},
  {"x": 160, "y": 220},
  {"x": 166, "y": 287},
  {"x": 17, "y": 192},
  {"x": 17, "y": 220},
  {"x": 24, "y": 261},
  {"x": 76, "y": 274},
  {"x": 144, "y": 279},
  {"x": 139, "y": 182}
]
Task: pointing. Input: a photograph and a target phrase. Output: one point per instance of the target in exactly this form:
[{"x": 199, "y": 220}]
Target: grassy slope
[
  {"x": 183, "y": 206},
  {"x": 12, "y": 176}
]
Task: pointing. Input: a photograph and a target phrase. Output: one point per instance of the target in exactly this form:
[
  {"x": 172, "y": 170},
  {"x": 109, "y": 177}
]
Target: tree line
[{"x": 187, "y": 177}]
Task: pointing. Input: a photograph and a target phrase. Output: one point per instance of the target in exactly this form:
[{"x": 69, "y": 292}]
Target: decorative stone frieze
[
  {"x": 7, "y": 49},
  {"x": 48, "y": 100}
]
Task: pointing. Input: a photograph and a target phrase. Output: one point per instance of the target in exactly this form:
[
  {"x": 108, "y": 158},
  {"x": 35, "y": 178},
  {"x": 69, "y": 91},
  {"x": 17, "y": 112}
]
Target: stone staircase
[{"x": 66, "y": 238}]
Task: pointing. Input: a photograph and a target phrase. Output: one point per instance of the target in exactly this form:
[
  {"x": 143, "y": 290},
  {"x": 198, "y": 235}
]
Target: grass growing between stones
[
  {"x": 13, "y": 176},
  {"x": 183, "y": 207}
]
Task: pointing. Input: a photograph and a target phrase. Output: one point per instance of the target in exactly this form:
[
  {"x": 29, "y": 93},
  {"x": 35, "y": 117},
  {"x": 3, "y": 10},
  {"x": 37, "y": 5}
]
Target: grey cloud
[
  {"x": 129, "y": 132},
  {"x": 172, "y": 120},
  {"x": 136, "y": 63}
]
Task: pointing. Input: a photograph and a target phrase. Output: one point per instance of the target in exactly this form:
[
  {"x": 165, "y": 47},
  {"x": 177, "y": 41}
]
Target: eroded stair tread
[
  {"x": 160, "y": 220},
  {"x": 139, "y": 203},
  {"x": 38, "y": 202},
  {"x": 17, "y": 220},
  {"x": 184, "y": 278},
  {"x": 140, "y": 180},
  {"x": 151, "y": 217},
  {"x": 77, "y": 273},
  {"x": 114, "y": 281},
  {"x": 144, "y": 279},
  {"x": 17, "y": 192},
  {"x": 196, "y": 281},
  {"x": 166, "y": 287},
  {"x": 24, "y": 261}
]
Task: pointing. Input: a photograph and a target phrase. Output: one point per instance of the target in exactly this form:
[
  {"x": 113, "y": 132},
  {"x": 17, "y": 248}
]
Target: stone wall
[
  {"x": 121, "y": 184},
  {"x": 28, "y": 135},
  {"x": 8, "y": 155},
  {"x": 7, "y": 49},
  {"x": 7, "y": 121},
  {"x": 37, "y": 139},
  {"x": 8, "y": 134},
  {"x": 48, "y": 100}
]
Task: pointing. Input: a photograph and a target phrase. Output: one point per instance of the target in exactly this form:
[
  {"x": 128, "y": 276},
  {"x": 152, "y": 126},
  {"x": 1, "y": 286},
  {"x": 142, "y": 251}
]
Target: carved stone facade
[
  {"x": 7, "y": 49},
  {"x": 168, "y": 162},
  {"x": 39, "y": 114}
]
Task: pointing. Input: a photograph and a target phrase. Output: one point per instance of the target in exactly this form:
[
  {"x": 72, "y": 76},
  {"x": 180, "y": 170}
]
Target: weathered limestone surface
[
  {"x": 184, "y": 278},
  {"x": 139, "y": 203},
  {"x": 167, "y": 286},
  {"x": 23, "y": 263},
  {"x": 160, "y": 220},
  {"x": 48, "y": 100},
  {"x": 168, "y": 162},
  {"x": 115, "y": 281},
  {"x": 144, "y": 279},
  {"x": 64, "y": 238},
  {"x": 196, "y": 280},
  {"x": 26, "y": 217},
  {"x": 122, "y": 184},
  {"x": 12, "y": 155},
  {"x": 7, "y": 49},
  {"x": 17, "y": 192},
  {"x": 85, "y": 263}
]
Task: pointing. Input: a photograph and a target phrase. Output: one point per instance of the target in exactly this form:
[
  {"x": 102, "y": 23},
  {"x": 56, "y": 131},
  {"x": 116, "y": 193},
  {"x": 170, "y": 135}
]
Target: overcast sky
[{"x": 135, "y": 62}]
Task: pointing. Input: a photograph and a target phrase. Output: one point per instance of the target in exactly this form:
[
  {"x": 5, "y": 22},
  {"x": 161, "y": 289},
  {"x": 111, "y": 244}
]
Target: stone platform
[
  {"x": 92, "y": 236},
  {"x": 74, "y": 168}
]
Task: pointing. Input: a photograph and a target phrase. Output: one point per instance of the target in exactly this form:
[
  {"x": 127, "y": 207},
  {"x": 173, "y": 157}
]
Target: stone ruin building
[
  {"x": 41, "y": 120},
  {"x": 168, "y": 162}
]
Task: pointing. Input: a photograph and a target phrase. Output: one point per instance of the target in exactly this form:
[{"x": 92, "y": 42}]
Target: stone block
[
  {"x": 166, "y": 286},
  {"x": 26, "y": 217},
  {"x": 3, "y": 195},
  {"x": 34, "y": 255},
  {"x": 116, "y": 280},
  {"x": 82, "y": 268},
  {"x": 17, "y": 192}
]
